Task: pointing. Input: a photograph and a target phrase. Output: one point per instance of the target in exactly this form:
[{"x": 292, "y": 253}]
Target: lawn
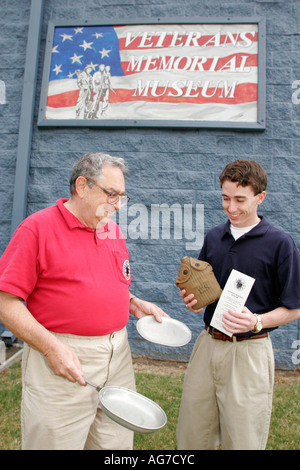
[{"x": 164, "y": 389}]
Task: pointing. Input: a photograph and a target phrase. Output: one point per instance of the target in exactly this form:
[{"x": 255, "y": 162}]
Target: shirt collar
[
  {"x": 258, "y": 230},
  {"x": 70, "y": 218}
]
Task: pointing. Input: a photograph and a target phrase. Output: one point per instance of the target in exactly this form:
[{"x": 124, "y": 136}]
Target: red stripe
[
  {"x": 182, "y": 38},
  {"x": 244, "y": 93},
  {"x": 67, "y": 99},
  {"x": 251, "y": 61}
]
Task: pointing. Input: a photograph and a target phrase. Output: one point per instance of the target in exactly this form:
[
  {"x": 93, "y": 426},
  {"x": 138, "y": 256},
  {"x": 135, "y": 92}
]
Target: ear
[
  {"x": 261, "y": 197},
  {"x": 81, "y": 186}
]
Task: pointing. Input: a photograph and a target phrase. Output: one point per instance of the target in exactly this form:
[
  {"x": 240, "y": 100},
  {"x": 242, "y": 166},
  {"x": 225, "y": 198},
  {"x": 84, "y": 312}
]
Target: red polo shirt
[{"x": 73, "y": 280}]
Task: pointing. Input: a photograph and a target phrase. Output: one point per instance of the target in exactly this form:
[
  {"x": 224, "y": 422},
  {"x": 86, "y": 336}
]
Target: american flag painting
[{"x": 184, "y": 72}]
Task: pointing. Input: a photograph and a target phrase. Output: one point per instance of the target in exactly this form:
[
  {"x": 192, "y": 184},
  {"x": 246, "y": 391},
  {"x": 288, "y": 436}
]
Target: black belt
[{"x": 216, "y": 334}]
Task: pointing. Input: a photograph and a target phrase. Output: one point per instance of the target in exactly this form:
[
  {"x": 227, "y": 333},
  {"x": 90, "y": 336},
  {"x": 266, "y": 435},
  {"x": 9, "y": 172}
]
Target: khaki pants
[
  {"x": 61, "y": 415},
  {"x": 227, "y": 395}
]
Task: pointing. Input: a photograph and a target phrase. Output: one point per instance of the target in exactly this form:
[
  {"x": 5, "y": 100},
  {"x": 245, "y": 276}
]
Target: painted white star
[
  {"x": 78, "y": 30},
  {"x": 54, "y": 49},
  {"x": 66, "y": 36},
  {"x": 76, "y": 58},
  {"x": 86, "y": 45},
  {"x": 93, "y": 66},
  {"x": 104, "y": 53},
  {"x": 98, "y": 35},
  {"x": 57, "y": 69}
]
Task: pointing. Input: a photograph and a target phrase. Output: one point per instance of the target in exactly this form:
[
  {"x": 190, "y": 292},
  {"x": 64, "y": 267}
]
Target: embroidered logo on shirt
[{"x": 126, "y": 269}]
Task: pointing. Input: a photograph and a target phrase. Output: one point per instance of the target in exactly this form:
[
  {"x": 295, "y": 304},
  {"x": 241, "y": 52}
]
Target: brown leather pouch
[{"x": 197, "y": 277}]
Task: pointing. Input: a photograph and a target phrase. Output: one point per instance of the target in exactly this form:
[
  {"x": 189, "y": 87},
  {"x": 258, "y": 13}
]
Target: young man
[
  {"x": 70, "y": 265},
  {"x": 227, "y": 394}
]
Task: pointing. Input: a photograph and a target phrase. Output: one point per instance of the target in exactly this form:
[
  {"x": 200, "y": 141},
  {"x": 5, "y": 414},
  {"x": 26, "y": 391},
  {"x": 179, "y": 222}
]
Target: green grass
[
  {"x": 10, "y": 400},
  {"x": 285, "y": 421},
  {"x": 166, "y": 391}
]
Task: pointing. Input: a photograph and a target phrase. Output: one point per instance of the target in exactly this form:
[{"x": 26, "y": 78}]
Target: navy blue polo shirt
[{"x": 265, "y": 253}]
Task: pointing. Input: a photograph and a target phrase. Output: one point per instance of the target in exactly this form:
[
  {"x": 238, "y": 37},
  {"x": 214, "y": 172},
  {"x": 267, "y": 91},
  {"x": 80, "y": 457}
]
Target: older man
[{"x": 69, "y": 264}]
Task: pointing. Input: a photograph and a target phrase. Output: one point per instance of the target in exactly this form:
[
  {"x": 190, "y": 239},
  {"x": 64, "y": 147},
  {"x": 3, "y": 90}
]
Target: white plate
[{"x": 168, "y": 333}]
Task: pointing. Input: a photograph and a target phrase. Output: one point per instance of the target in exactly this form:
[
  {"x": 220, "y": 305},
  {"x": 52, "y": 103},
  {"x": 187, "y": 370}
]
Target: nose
[
  {"x": 231, "y": 206},
  {"x": 117, "y": 204}
]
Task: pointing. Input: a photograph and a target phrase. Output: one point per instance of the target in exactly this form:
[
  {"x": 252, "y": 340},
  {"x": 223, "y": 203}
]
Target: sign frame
[{"x": 258, "y": 124}]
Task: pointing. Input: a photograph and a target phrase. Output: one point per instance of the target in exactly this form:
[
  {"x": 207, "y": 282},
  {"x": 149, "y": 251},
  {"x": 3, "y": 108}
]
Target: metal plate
[
  {"x": 131, "y": 409},
  {"x": 168, "y": 333}
]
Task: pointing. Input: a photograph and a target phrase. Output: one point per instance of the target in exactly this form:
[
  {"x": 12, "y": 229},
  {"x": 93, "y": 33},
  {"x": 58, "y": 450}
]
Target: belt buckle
[{"x": 220, "y": 336}]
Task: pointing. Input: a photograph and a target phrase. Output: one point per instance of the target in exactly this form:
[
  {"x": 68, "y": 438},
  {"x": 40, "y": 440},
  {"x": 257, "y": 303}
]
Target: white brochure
[{"x": 234, "y": 296}]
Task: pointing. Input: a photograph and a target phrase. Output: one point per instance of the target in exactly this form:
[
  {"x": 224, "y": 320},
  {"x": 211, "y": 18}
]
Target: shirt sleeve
[
  {"x": 289, "y": 278},
  {"x": 19, "y": 263},
  {"x": 202, "y": 254}
]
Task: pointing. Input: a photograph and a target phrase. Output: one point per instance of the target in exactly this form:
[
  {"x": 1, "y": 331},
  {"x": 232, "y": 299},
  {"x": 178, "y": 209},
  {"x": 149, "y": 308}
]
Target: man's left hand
[
  {"x": 140, "y": 308},
  {"x": 239, "y": 322}
]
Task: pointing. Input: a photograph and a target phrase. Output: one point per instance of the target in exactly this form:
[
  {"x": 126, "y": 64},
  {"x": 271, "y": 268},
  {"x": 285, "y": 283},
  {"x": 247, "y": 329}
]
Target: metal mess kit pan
[{"x": 130, "y": 409}]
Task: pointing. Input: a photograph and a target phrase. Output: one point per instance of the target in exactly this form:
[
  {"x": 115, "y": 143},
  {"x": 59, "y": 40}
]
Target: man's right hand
[
  {"x": 64, "y": 362},
  {"x": 189, "y": 301},
  {"x": 61, "y": 358}
]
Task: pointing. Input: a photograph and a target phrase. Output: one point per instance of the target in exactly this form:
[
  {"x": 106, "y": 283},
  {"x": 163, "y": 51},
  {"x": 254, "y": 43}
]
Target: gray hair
[{"x": 91, "y": 165}]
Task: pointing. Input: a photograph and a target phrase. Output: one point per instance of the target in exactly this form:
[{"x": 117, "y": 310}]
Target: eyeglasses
[{"x": 112, "y": 197}]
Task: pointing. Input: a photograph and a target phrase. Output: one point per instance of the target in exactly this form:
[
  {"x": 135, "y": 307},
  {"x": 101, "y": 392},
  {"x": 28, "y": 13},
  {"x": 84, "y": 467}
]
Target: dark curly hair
[{"x": 245, "y": 173}]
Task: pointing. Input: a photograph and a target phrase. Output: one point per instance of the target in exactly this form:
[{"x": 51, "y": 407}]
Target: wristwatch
[{"x": 258, "y": 326}]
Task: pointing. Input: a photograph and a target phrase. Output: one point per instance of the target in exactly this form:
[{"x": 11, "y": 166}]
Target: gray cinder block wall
[{"x": 168, "y": 166}]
